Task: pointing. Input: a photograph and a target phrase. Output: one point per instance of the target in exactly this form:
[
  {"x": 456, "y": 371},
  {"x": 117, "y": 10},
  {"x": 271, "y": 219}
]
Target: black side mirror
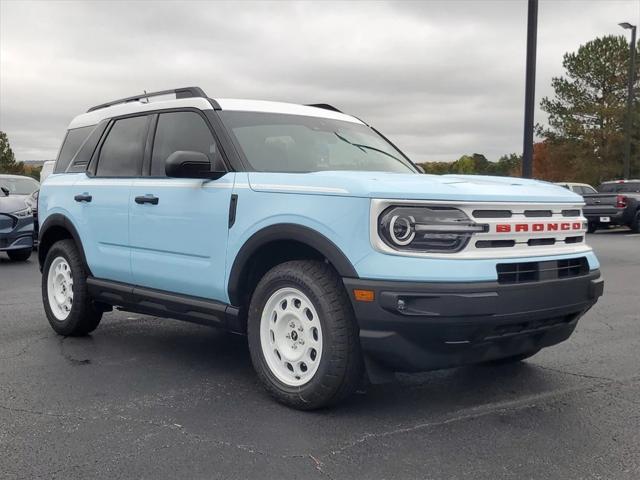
[
  {"x": 188, "y": 164},
  {"x": 5, "y": 191}
]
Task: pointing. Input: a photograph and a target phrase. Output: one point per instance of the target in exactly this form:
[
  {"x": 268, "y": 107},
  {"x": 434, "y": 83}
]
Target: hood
[
  {"x": 414, "y": 186},
  {"x": 12, "y": 203}
]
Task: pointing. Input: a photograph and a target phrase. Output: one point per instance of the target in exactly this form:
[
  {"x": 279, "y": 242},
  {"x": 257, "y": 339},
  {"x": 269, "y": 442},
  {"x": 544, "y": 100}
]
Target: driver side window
[{"x": 182, "y": 131}]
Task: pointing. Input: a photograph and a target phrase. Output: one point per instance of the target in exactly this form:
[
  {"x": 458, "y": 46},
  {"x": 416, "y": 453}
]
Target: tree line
[{"x": 8, "y": 163}]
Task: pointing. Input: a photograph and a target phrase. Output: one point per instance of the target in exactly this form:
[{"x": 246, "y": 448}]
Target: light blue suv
[{"x": 310, "y": 232}]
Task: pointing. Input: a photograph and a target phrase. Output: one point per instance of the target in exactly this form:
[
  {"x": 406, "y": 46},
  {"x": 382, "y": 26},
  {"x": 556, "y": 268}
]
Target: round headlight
[{"x": 402, "y": 229}]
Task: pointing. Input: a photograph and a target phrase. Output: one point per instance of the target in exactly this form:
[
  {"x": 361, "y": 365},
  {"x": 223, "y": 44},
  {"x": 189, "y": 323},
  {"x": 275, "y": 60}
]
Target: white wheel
[
  {"x": 291, "y": 336},
  {"x": 60, "y": 288}
]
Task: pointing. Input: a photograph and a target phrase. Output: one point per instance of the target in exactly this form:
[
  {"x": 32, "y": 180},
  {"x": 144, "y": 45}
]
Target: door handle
[
  {"x": 83, "y": 198},
  {"x": 152, "y": 199}
]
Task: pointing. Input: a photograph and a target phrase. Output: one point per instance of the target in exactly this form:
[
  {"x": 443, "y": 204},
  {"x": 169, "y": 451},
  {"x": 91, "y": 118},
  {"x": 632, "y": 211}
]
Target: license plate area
[{"x": 605, "y": 219}]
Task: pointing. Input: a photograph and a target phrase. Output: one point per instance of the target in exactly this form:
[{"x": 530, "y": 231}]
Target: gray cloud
[{"x": 441, "y": 78}]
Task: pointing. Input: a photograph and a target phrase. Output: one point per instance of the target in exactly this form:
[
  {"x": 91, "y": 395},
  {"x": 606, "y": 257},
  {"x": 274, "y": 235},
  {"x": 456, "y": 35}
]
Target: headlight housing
[
  {"x": 24, "y": 213},
  {"x": 427, "y": 229}
]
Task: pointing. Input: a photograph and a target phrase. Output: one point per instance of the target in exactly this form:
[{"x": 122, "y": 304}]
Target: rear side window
[
  {"x": 122, "y": 151},
  {"x": 182, "y": 131},
  {"x": 624, "y": 187},
  {"x": 72, "y": 143}
]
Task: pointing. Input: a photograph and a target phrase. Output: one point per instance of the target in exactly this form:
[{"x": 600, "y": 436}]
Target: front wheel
[
  {"x": 303, "y": 336},
  {"x": 65, "y": 296}
]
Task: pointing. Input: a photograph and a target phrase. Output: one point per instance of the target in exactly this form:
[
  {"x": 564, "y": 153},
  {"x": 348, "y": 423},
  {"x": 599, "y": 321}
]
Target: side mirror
[
  {"x": 5, "y": 191},
  {"x": 188, "y": 164}
]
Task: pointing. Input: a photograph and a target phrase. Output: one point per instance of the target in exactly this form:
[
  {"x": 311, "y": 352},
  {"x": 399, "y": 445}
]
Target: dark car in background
[
  {"x": 27, "y": 189},
  {"x": 616, "y": 203},
  {"x": 16, "y": 226}
]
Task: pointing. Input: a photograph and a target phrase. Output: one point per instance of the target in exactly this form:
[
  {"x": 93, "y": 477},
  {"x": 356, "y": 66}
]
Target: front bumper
[
  {"x": 15, "y": 233},
  {"x": 413, "y": 326}
]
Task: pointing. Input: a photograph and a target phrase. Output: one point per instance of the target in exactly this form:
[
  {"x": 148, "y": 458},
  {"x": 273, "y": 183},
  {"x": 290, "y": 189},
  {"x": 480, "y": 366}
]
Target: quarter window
[
  {"x": 122, "y": 151},
  {"x": 178, "y": 131},
  {"x": 72, "y": 143}
]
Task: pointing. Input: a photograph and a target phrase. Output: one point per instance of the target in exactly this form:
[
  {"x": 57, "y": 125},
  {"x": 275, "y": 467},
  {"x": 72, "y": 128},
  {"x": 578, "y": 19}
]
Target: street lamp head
[{"x": 627, "y": 25}]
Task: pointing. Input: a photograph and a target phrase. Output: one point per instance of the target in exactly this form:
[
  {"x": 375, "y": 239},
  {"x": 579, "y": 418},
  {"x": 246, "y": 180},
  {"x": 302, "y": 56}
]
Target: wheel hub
[
  {"x": 60, "y": 288},
  {"x": 291, "y": 336}
]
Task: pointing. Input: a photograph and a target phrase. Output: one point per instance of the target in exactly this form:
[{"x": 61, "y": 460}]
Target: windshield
[
  {"x": 19, "y": 185},
  {"x": 273, "y": 142},
  {"x": 627, "y": 187}
]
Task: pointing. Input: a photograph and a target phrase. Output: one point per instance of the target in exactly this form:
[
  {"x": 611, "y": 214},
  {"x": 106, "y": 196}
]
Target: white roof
[
  {"x": 281, "y": 107},
  {"x": 92, "y": 118}
]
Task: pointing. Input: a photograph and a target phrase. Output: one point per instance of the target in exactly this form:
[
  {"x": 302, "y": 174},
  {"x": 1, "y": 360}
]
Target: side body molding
[{"x": 291, "y": 232}]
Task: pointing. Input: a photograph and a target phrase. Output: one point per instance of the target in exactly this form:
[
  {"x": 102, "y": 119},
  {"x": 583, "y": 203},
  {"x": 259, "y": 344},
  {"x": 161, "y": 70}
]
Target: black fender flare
[
  {"x": 287, "y": 231},
  {"x": 59, "y": 220}
]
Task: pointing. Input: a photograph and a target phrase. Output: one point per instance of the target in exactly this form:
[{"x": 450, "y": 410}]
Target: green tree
[
  {"x": 8, "y": 162},
  {"x": 589, "y": 107}
]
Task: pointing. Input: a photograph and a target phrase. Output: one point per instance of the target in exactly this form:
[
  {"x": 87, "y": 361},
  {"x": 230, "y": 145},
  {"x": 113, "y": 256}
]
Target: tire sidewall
[
  {"x": 262, "y": 293},
  {"x": 63, "y": 249}
]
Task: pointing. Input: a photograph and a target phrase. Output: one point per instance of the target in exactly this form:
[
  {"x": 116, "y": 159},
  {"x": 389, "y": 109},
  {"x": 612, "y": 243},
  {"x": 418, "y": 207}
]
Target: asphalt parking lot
[{"x": 152, "y": 398}]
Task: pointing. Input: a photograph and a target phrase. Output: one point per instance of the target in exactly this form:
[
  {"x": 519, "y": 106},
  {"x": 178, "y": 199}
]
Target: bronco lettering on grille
[{"x": 537, "y": 227}]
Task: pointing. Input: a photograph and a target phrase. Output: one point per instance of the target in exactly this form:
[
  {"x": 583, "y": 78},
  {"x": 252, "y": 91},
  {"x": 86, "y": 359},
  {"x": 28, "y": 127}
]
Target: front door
[{"x": 178, "y": 226}]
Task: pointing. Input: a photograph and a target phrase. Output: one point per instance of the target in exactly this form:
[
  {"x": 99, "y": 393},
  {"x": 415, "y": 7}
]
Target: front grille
[{"x": 525, "y": 272}]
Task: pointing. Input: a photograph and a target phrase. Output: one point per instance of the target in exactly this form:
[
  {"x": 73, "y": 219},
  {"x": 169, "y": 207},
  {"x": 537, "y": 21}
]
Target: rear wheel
[
  {"x": 66, "y": 300},
  {"x": 592, "y": 227},
  {"x": 303, "y": 336},
  {"x": 21, "y": 255}
]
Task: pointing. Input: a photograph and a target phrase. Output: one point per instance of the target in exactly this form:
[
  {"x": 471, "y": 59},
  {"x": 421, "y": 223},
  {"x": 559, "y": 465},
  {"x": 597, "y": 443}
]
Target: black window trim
[
  {"x": 146, "y": 172},
  {"x": 95, "y": 159}
]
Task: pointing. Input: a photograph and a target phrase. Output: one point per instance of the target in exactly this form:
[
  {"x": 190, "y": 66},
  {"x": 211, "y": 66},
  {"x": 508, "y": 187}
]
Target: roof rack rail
[
  {"x": 186, "y": 92},
  {"x": 324, "y": 106}
]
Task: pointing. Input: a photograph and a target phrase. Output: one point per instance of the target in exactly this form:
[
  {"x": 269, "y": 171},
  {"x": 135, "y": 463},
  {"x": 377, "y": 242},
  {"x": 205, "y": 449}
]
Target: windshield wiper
[
  {"x": 362, "y": 147},
  {"x": 350, "y": 143}
]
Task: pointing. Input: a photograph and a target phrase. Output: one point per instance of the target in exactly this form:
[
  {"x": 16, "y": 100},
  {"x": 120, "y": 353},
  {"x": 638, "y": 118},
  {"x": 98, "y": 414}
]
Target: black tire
[
  {"x": 21, "y": 255},
  {"x": 592, "y": 227},
  {"x": 340, "y": 368},
  {"x": 635, "y": 223},
  {"x": 513, "y": 359},
  {"x": 83, "y": 317}
]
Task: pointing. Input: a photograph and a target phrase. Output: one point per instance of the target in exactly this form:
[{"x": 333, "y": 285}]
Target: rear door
[
  {"x": 179, "y": 226},
  {"x": 103, "y": 198}
]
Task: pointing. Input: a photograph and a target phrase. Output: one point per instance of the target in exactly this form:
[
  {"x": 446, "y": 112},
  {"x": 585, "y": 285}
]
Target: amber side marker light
[{"x": 364, "y": 295}]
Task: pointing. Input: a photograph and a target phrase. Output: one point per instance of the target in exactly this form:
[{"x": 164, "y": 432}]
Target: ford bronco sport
[{"x": 307, "y": 230}]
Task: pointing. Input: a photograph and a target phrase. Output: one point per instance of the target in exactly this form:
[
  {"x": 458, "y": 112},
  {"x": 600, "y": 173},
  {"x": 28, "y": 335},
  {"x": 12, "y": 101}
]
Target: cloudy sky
[{"x": 440, "y": 78}]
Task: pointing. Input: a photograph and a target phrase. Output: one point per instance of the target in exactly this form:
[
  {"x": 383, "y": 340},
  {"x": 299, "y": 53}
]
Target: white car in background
[
  {"x": 47, "y": 169},
  {"x": 579, "y": 188}
]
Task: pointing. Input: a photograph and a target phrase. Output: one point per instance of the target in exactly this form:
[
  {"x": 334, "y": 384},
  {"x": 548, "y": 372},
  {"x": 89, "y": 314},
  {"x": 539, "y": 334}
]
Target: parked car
[
  {"x": 47, "y": 169},
  {"x": 26, "y": 188},
  {"x": 16, "y": 226},
  {"x": 310, "y": 232},
  {"x": 616, "y": 204},
  {"x": 579, "y": 188}
]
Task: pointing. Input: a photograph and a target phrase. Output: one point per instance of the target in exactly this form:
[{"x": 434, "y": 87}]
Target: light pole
[
  {"x": 530, "y": 89},
  {"x": 632, "y": 79}
]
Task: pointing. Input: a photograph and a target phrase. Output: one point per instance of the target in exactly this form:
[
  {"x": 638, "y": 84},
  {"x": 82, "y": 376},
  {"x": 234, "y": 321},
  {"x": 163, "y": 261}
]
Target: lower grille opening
[
  {"x": 525, "y": 272},
  {"x": 573, "y": 239},
  {"x": 495, "y": 243},
  {"x": 535, "y": 242}
]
